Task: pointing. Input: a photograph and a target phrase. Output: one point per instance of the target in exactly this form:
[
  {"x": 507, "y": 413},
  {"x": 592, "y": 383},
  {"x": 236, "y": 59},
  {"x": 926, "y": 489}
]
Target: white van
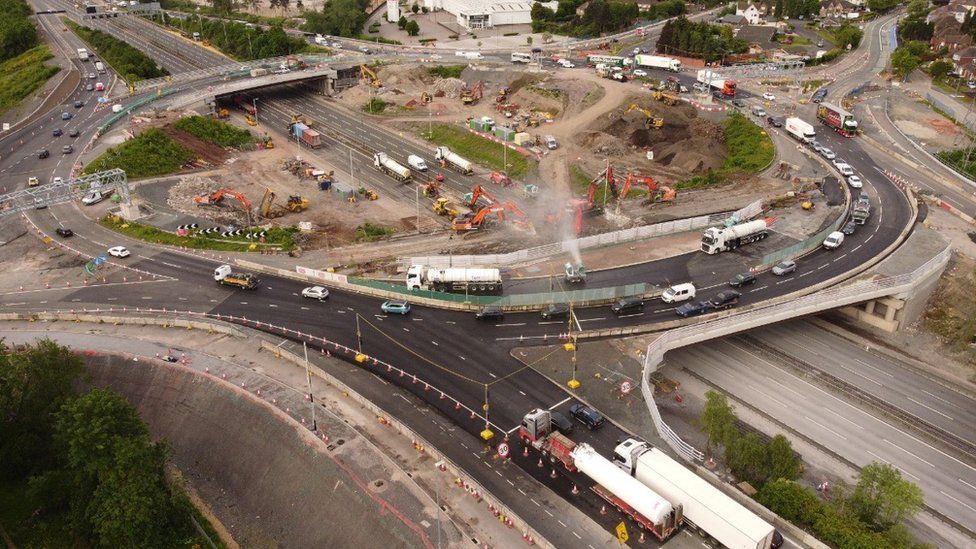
[
  {"x": 116, "y": 108},
  {"x": 679, "y": 292},
  {"x": 99, "y": 67},
  {"x": 417, "y": 163},
  {"x": 551, "y": 143},
  {"x": 833, "y": 240},
  {"x": 94, "y": 197}
]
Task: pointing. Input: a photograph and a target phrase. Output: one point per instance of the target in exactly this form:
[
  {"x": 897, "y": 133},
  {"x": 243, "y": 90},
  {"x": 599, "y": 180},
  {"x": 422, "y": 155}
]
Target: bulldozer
[
  {"x": 269, "y": 210},
  {"x": 651, "y": 121},
  {"x": 221, "y": 113},
  {"x": 665, "y": 97},
  {"x": 368, "y": 194},
  {"x": 250, "y": 120},
  {"x": 442, "y": 207}
]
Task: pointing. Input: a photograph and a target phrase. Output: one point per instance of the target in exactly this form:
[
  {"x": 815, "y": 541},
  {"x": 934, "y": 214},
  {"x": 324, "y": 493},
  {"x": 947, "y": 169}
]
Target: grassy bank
[
  {"x": 477, "y": 149},
  {"x": 131, "y": 64},
  {"x": 750, "y": 147},
  {"x": 283, "y": 238},
  {"x": 150, "y": 154},
  {"x": 22, "y": 75},
  {"x": 215, "y": 131},
  {"x": 952, "y": 314}
]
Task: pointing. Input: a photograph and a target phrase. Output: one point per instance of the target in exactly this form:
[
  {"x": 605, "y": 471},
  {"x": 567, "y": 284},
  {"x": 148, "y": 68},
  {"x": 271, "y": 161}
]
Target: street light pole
[
  {"x": 254, "y": 103},
  {"x": 418, "y": 208},
  {"x": 359, "y": 336},
  {"x": 308, "y": 376}
]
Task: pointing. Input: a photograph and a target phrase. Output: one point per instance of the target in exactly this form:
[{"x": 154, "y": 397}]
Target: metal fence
[
  {"x": 802, "y": 247},
  {"x": 967, "y": 121},
  {"x": 133, "y": 106}
]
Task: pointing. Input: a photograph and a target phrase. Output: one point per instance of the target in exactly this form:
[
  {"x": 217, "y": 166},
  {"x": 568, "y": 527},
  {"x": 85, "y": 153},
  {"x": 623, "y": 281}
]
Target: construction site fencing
[
  {"x": 138, "y": 103},
  {"x": 838, "y": 296},
  {"x": 238, "y": 70},
  {"x": 538, "y": 253},
  {"x": 805, "y": 246}
]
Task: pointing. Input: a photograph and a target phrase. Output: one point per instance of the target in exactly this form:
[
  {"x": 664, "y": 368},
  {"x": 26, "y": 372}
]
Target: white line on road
[
  {"x": 844, "y": 418},
  {"x": 859, "y": 374},
  {"x": 551, "y": 322},
  {"x": 971, "y": 508},
  {"x": 770, "y": 397},
  {"x": 560, "y": 403},
  {"x": 937, "y": 397},
  {"x": 522, "y": 393},
  {"x": 903, "y": 471},
  {"x": 436, "y": 344},
  {"x": 930, "y": 408},
  {"x": 909, "y": 453},
  {"x": 535, "y": 502},
  {"x": 511, "y": 324},
  {"x": 577, "y": 535},
  {"x": 824, "y": 427},
  {"x": 875, "y": 368},
  {"x": 547, "y": 512},
  {"x": 785, "y": 387},
  {"x": 966, "y": 483},
  {"x": 578, "y": 319}
]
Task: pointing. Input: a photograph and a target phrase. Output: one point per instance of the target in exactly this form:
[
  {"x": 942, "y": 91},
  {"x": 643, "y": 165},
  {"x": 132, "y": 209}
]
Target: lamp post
[
  {"x": 311, "y": 398},
  {"x": 254, "y": 103},
  {"x": 418, "y": 208},
  {"x": 573, "y": 383}
]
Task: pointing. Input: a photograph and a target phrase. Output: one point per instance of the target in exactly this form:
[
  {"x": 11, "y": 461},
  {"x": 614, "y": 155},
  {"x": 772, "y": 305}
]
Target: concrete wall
[{"x": 252, "y": 466}]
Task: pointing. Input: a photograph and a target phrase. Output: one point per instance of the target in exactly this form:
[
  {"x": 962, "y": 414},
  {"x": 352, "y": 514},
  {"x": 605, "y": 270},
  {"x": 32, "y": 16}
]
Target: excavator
[
  {"x": 651, "y": 121},
  {"x": 477, "y": 193},
  {"x": 268, "y": 210},
  {"x": 476, "y": 220},
  {"x": 432, "y": 189},
  {"x": 472, "y": 95},
  {"x": 666, "y": 97},
  {"x": 370, "y": 76},
  {"x": 216, "y": 198},
  {"x": 655, "y": 192}
]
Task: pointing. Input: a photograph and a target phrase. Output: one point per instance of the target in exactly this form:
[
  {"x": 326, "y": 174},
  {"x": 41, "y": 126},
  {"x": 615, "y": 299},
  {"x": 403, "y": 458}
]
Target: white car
[
  {"x": 316, "y": 292},
  {"x": 58, "y": 180},
  {"x": 833, "y": 240},
  {"x": 337, "y": 45},
  {"x": 769, "y": 97},
  {"x": 567, "y": 64},
  {"x": 855, "y": 182},
  {"x": 639, "y": 72},
  {"x": 845, "y": 170},
  {"x": 118, "y": 251},
  {"x": 437, "y": 56},
  {"x": 828, "y": 154}
]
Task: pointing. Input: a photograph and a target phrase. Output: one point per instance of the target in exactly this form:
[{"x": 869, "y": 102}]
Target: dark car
[
  {"x": 725, "y": 299},
  {"x": 775, "y": 121},
  {"x": 43, "y": 153},
  {"x": 849, "y": 228},
  {"x": 90, "y": 87},
  {"x": 561, "y": 423},
  {"x": 586, "y": 415},
  {"x": 819, "y": 95},
  {"x": 57, "y": 132},
  {"x": 693, "y": 309},
  {"x": 490, "y": 313},
  {"x": 79, "y": 104},
  {"x": 73, "y": 133},
  {"x": 555, "y": 310},
  {"x": 627, "y": 305},
  {"x": 742, "y": 279},
  {"x": 739, "y": 103},
  {"x": 63, "y": 231}
]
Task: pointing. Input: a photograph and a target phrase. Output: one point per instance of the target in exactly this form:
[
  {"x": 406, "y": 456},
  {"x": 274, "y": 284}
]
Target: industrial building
[{"x": 479, "y": 14}]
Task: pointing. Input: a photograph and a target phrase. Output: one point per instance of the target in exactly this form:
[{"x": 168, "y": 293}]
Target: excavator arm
[
  {"x": 216, "y": 197},
  {"x": 478, "y": 192}
]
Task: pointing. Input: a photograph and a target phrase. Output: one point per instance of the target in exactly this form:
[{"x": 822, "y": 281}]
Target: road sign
[
  {"x": 626, "y": 387},
  {"x": 503, "y": 450},
  {"x": 622, "y": 534}
]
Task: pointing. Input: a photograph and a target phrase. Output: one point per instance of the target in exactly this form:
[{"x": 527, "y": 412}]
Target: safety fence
[
  {"x": 802, "y": 247},
  {"x": 832, "y": 298},
  {"x": 538, "y": 253},
  {"x": 138, "y": 103}
]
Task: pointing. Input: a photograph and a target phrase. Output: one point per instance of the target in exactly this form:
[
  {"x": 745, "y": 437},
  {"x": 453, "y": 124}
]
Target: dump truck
[
  {"x": 391, "y": 167},
  {"x": 838, "y": 119},
  {"x": 453, "y": 161},
  {"x": 861, "y": 211},
  {"x": 800, "y": 130},
  {"x": 715, "y": 239},
  {"x": 700, "y": 503},
  {"x": 226, "y": 275},
  {"x": 658, "y": 62},
  {"x": 306, "y": 135},
  {"x": 465, "y": 280},
  {"x": 725, "y": 85}
]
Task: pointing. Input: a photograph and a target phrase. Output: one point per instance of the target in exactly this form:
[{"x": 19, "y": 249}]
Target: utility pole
[
  {"x": 359, "y": 336},
  {"x": 573, "y": 383},
  {"x": 308, "y": 376},
  {"x": 418, "y": 208}
]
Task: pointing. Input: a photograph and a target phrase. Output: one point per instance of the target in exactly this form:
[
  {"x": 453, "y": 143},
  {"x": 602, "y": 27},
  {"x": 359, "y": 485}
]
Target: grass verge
[
  {"x": 150, "y": 154},
  {"x": 368, "y": 232},
  {"x": 131, "y": 64},
  {"x": 750, "y": 147},
  {"x": 477, "y": 149},
  {"x": 446, "y": 71},
  {"x": 374, "y": 106},
  {"x": 22, "y": 75},
  {"x": 283, "y": 238},
  {"x": 215, "y": 131}
]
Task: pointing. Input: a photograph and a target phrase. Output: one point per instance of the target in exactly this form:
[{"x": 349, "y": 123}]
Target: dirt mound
[
  {"x": 181, "y": 197},
  {"x": 205, "y": 151},
  {"x": 449, "y": 87}
]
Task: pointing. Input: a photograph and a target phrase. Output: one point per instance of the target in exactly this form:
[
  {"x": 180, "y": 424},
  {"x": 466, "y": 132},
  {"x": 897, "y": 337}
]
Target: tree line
[
  {"x": 131, "y": 64},
  {"x": 599, "y": 17},
  {"x": 338, "y": 18},
  {"x": 868, "y": 515},
  {"x": 239, "y": 40},
  {"x": 17, "y": 34},
  {"x": 85, "y": 468},
  {"x": 683, "y": 37}
]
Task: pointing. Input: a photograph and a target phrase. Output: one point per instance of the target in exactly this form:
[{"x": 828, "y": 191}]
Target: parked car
[
  {"x": 827, "y": 153},
  {"x": 561, "y": 423},
  {"x": 855, "y": 182},
  {"x": 395, "y": 307},
  {"x": 849, "y": 228},
  {"x": 833, "y": 240},
  {"x": 768, "y": 96},
  {"x": 627, "y": 305},
  {"x": 555, "y": 310},
  {"x": 640, "y": 72},
  {"x": 64, "y": 232},
  {"x": 316, "y": 292},
  {"x": 118, "y": 251},
  {"x": 725, "y": 299},
  {"x": 693, "y": 308},
  {"x": 74, "y": 132},
  {"x": 784, "y": 268},
  {"x": 93, "y": 197},
  {"x": 586, "y": 415},
  {"x": 57, "y": 132},
  {"x": 43, "y": 153},
  {"x": 742, "y": 279},
  {"x": 490, "y": 312}
]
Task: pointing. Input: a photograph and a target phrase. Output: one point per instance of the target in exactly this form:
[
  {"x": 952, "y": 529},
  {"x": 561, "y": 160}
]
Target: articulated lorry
[
  {"x": 715, "y": 239},
  {"x": 464, "y": 280},
  {"x": 306, "y": 135},
  {"x": 225, "y": 275},
  {"x": 83, "y": 54},
  {"x": 800, "y": 130},
  {"x": 700, "y": 503},
  {"x": 622, "y": 491},
  {"x": 391, "y": 167},
  {"x": 658, "y": 62},
  {"x": 453, "y": 161},
  {"x": 724, "y": 85},
  {"x": 838, "y": 119}
]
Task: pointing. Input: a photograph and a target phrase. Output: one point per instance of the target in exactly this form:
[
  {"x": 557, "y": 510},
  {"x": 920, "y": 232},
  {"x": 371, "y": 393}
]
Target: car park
[
  {"x": 693, "y": 308},
  {"x": 679, "y": 292},
  {"x": 724, "y": 299},
  {"x": 827, "y": 153},
  {"x": 43, "y": 153},
  {"x": 73, "y": 133},
  {"x": 845, "y": 169},
  {"x": 854, "y": 181},
  {"x": 833, "y": 240},
  {"x": 316, "y": 292},
  {"x": 560, "y": 422},
  {"x": 118, "y": 251},
  {"x": 742, "y": 279},
  {"x": 490, "y": 312},
  {"x": 784, "y": 268},
  {"x": 627, "y": 305},
  {"x": 768, "y": 96},
  {"x": 640, "y": 72},
  {"x": 395, "y": 307},
  {"x": 849, "y": 228},
  {"x": 555, "y": 310},
  {"x": 67, "y": 149},
  {"x": 57, "y": 132},
  {"x": 64, "y": 232},
  {"x": 586, "y": 415}
]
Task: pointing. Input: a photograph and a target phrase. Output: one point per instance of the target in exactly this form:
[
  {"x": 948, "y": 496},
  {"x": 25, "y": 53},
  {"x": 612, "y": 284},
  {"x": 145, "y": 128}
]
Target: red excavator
[
  {"x": 655, "y": 192},
  {"x": 216, "y": 198}
]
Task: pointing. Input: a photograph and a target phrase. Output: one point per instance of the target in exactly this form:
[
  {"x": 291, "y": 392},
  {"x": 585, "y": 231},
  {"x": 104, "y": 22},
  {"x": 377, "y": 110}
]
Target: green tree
[
  {"x": 882, "y": 498},
  {"x": 412, "y": 28},
  {"x": 918, "y": 8},
  {"x": 34, "y": 383},
  {"x": 88, "y": 426},
  {"x": 904, "y": 62},
  {"x": 790, "y": 500},
  {"x": 718, "y": 420},
  {"x": 940, "y": 68},
  {"x": 528, "y": 40},
  {"x": 882, "y": 6},
  {"x": 402, "y": 22},
  {"x": 782, "y": 461},
  {"x": 415, "y": 8},
  {"x": 746, "y": 457},
  {"x": 848, "y": 34}
]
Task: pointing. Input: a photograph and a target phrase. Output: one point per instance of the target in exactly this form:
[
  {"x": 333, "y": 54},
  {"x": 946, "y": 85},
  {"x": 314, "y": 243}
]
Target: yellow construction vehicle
[
  {"x": 441, "y": 207},
  {"x": 368, "y": 194},
  {"x": 250, "y": 120},
  {"x": 426, "y": 98},
  {"x": 221, "y": 113},
  {"x": 269, "y": 211},
  {"x": 297, "y": 203},
  {"x": 667, "y": 98},
  {"x": 651, "y": 121},
  {"x": 370, "y": 76}
]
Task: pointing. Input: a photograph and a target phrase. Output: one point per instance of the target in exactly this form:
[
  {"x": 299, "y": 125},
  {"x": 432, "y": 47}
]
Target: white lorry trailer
[
  {"x": 465, "y": 280},
  {"x": 715, "y": 239},
  {"x": 800, "y": 130},
  {"x": 391, "y": 167},
  {"x": 83, "y": 54},
  {"x": 453, "y": 161},
  {"x": 702, "y": 504},
  {"x": 658, "y": 62},
  {"x": 722, "y": 84}
]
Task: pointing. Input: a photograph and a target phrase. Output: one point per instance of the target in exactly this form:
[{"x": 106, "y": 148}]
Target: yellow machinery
[
  {"x": 368, "y": 194},
  {"x": 268, "y": 210},
  {"x": 441, "y": 207},
  {"x": 370, "y": 76},
  {"x": 221, "y": 113},
  {"x": 426, "y": 98},
  {"x": 667, "y": 98},
  {"x": 651, "y": 121},
  {"x": 250, "y": 120}
]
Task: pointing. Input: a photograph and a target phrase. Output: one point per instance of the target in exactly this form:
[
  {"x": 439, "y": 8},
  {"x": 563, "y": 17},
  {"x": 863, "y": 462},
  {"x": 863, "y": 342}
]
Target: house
[
  {"x": 956, "y": 10},
  {"x": 754, "y": 12},
  {"x": 582, "y": 9},
  {"x": 734, "y": 20},
  {"x": 963, "y": 61},
  {"x": 759, "y": 37},
  {"x": 839, "y": 9},
  {"x": 952, "y": 41}
]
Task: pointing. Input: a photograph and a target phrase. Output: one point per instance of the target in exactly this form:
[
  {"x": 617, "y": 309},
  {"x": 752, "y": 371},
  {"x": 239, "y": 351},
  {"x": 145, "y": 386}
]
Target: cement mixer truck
[
  {"x": 391, "y": 167},
  {"x": 715, "y": 239},
  {"x": 453, "y": 161}
]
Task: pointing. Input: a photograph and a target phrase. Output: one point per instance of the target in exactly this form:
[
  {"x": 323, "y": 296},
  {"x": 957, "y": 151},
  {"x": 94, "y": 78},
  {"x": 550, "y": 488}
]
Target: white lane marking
[
  {"x": 930, "y": 408},
  {"x": 966, "y": 483},
  {"x": 639, "y": 314},
  {"x": 405, "y": 329},
  {"x": 577, "y": 535},
  {"x": 859, "y": 374},
  {"x": 875, "y": 368},
  {"x": 971, "y": 508},
  {"x": 548, "y": 513},
  {"x": 937, "y": 397},
  {"x": 432, "y": 341},
  {"x": 578, "y": 319},
  {"x": 824, "y": 427},
  {"x": 904, "y": 472},
  {"x": 785, "y": 387},
  {"x": 560, "y": 403},
  {"x": 512, "y": 324},
  {"x": 522, "y": 393},
  {"x": 909, "y": 453},
  {"x": 272, "y": 305},
  {"x": 551, "y": 322},
  {"x": 843, "y": 418},
  {"x": 305, "y": 308},
  {"x": 535, "y": 502},
  {"x": 150, "y": 297},
  {"x": 770, "y": 397}
]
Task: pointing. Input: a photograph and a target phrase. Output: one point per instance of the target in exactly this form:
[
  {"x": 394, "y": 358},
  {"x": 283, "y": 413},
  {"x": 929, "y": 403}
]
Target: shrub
[
  {"x": 375, "y": 106},
  {"x": 131, "y": 64},
  {"x": 215, "y": 131},
  {"x": 368, "y": 232},
  {"x": 150, "y": 154},
  {"x": 446, "y": 71}
]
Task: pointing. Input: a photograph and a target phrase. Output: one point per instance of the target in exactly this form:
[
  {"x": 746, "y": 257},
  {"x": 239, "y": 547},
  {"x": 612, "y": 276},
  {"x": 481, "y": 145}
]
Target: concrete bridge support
[{"x": 893, "y": 313}]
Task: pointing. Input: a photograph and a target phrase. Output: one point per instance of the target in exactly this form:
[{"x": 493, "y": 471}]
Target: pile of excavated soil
[
  {"x": 182, "y": 194},
  {"x": 204, "y": 150}
]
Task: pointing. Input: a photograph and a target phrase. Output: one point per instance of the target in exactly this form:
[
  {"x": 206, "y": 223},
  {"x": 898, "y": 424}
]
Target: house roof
[
  {"x": 732, "y": 19},
  {"x": 965, "y": 53},
  {"x": 955, "y": 39},
  {"x": 756, "y": 34}
]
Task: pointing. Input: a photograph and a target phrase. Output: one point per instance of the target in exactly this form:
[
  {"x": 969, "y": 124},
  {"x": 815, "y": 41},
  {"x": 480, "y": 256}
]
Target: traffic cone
[
  {"x": 540, "y": 462},
  {"x": 553, "y": 474},
  {"x": 603, "y": 509},
  {"x": 575, "y": 490},
  {"x": 641, "y": 539},
  {"x": 525, "y": 451}
]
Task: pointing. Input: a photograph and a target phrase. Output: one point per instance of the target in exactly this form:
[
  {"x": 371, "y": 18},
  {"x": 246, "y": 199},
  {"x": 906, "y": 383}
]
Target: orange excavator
[
  {"x": 215, "y": 199},
  {"x": 477, "y": 193},
  {"x": 655, "y": 192},
  {"x": 472, "y": 95},
  {"x": 474, "y": 221}
]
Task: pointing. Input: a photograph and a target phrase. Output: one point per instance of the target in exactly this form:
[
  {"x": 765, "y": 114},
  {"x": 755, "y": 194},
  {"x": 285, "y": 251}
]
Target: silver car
[
  {"x": 784, "y": 268},
  {"x": 827, "y": 153}
]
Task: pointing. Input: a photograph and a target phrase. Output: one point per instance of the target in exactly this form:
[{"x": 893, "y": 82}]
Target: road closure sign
[{"x": 622, "y": 534}]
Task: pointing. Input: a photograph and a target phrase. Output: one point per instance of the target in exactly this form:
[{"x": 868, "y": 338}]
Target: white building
[
  {"x": 392, "y": 10},
  {"x": 485, "y": 14}
]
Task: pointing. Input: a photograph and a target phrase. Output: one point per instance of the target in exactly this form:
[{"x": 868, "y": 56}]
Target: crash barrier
[
  {"x": 606, "y": 239},
  {"x": 800, "y": 248},
  {"x": 760, "y": 316},
  {"x": 232, "y": 70}
]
